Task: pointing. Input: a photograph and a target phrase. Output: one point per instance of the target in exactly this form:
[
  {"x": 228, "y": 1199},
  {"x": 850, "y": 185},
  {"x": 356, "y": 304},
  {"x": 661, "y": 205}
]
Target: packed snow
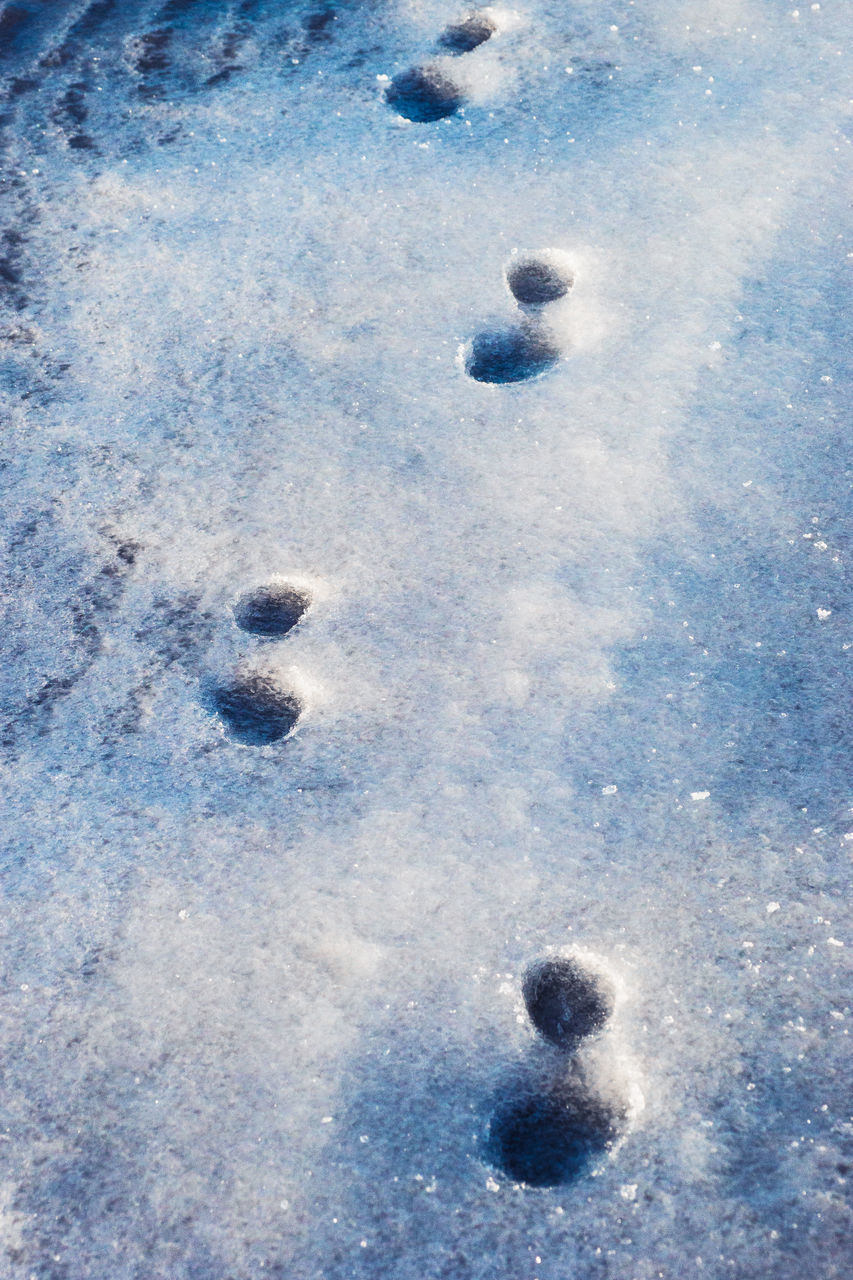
[{"x": 426, "y": 469}]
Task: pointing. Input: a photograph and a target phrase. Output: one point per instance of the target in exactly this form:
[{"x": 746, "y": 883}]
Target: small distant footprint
[
  {"x": 253, "y": 704},
  {"x": 550, "y": 1123},
  {"x": 515, "y": 353},
  {"x": 431, "y": 91},
  {"x": 469, "y": 32}
]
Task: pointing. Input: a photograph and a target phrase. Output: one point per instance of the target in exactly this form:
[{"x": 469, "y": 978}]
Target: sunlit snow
[{"x": 426, "y": 478}]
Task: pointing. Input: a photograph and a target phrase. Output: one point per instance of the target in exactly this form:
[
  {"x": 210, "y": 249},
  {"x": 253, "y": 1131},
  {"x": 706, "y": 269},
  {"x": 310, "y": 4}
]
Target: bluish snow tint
[{"x": 575, "y": 672}]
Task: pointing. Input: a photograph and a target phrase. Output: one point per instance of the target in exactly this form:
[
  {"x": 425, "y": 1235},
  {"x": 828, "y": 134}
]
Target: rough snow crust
[{"x": 574, "y": 674}]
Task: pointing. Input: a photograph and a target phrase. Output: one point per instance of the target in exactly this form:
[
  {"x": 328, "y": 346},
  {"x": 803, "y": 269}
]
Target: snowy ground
[{"x": 575, "y": 671}]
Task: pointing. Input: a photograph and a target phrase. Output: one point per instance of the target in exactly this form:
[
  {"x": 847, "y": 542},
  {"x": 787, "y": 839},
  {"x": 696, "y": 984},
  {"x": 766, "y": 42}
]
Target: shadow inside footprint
[
  {"x": 256, "y": 711},
  {"x": 423, "y": 94},
  {"x": 271, "y": 611},
  {"x": 550, "y": 1138},
  {"x": 535, "y": 281},
  {"x": 566, "y": 1001},
  {"x": 467, "y": 34},
  {"x": 510, "y": 355}
]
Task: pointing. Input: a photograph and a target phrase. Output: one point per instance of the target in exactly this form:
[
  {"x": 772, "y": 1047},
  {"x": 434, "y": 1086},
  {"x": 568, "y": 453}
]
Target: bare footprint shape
[
  {"x": 551, "y": 1134},
  {"x": 255, "y": 709},
  {"x": 468, "y": 33},
  {"x": 513, "y": 354},
  {"x": 424, "y": 94},
  {"x": 271, "y": 610}
]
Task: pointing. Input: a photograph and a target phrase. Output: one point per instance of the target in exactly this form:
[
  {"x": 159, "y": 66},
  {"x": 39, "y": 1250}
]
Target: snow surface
[{"x": 574, "y": 677}]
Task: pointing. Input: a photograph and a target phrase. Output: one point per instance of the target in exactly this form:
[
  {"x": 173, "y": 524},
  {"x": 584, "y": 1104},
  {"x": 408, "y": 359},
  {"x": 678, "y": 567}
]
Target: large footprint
[
  {"x": 552, "y": 1121},
  {"x": 517, "y": 352}
]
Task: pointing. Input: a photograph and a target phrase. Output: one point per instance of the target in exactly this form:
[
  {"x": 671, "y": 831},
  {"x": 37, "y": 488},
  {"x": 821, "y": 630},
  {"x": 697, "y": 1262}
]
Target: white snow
[{"x": 261, "y": 1003}]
